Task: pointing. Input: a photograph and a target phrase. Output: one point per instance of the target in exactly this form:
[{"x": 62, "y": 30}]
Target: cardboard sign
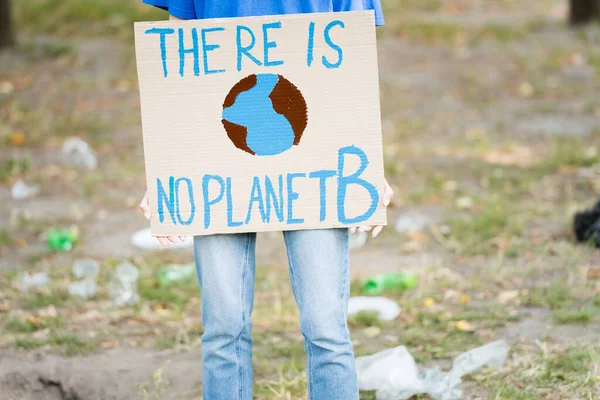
[{"x": 261, "y": 123}]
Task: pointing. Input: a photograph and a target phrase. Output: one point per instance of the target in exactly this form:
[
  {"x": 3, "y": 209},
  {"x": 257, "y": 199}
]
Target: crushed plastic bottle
[
  {"x": 21, "y": 191},
  {"x": 25, "y": 281},
  {"x": 143, "y": 239},
  {"x": 357, "y": 240},
  {"x": 84, "y": 288},
  {"x": 399, "y": 280},
  {"x": 85, "y": 269},
  {"x": 174, "y": 273},
  {"x": 393, "y": 373},
  {"x": 79, "y": 154},
  {"x": 124, "y": 285},
  {"x": 386, "y": 308},
  {"x": 61, "y": 239}
]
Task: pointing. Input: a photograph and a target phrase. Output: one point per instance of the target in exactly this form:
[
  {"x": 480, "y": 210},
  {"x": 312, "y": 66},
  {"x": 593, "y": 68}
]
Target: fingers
[
  {"x": 365, "y": 228},
  {"x": 377, "y": 230},
  {"x": 182, "y": 238},
  {"x": 145, "y": 207},
  {"x": 173, "y": 239},
  {"x": 163, "y": 240},
  {"x": 388, "y": 193}
]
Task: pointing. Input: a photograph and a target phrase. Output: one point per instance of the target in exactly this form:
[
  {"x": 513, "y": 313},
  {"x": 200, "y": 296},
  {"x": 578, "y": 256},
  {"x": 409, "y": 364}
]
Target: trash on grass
[
  {"x": 399, "y": 280},
  {"x": 20, "y": 190},
  {"x": 61, "y": 239},
  {"x": 124, "y": 285},
  {"x": 394, "y": 375},
  {"x": 143, "y": 239},
  {"x": 586, "y": 225},
  {"x": 85, "y": 268},
  {"x": 25, "y": 281},
  {"x": 78, "y": 153},
  {"x": 387, "y": 309},
  {"x": 84, "y": 288}
]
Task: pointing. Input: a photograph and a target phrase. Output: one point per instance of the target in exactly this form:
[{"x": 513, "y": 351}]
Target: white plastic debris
[
  {"x": 357, "y": 240},
  {"x": 20, "y": 190},
  {"x": 79, "y": 154},
  {"x": 84, "y": 288},
  {"x": 124, "y": 285},
  {"x": 143, "y": 239},
  {"x": 387, "y": 309},
  {"x": 393, "y": 373},
  {"x": 411, "y": 222},
  {"x": 85, "y": 268},
  {"x": 26, "y": 281}
]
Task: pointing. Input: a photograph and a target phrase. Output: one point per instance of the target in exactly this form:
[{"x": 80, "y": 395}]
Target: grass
[
  {"x": 69, "y": 344},
  {"x": 32, "y": 324},
  {"x": 582, "y": 315}
]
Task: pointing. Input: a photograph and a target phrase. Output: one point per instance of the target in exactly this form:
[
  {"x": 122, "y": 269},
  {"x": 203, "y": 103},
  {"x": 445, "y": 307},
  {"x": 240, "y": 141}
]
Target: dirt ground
[{"x": 491, "y": 120}]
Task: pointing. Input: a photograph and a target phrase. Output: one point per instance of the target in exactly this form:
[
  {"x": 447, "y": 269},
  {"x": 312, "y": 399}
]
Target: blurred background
[{"x": 491, "y": 116}]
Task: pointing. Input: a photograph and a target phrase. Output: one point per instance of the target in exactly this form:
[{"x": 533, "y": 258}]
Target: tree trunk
[
  {"x": 583, "y": 11},
  {"x": 6, "y": 31}
]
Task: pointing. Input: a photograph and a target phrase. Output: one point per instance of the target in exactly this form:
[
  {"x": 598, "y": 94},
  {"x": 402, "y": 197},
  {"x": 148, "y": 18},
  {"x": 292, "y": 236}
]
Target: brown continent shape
[
  {"x": 288, "y": 101},
  {"x": 237, "y": 133}
]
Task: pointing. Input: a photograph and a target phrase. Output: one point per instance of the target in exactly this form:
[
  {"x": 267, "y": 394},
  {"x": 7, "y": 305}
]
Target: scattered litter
[
  {"x": 84, "y": 288},
  {"x": 394, "y": 375},
  {"x": 123, "y": 287},
  {"x": 399, "y": 280},
  {"x": 61, "y": 239},
  {"x": 586, "y": 225},
  {"x": 85, "y": 268},
  {"x": 25, "y": 281},
  {"x": 387, "y": 309},
  {"x": 175, "y": 273},
  {"x": 79, "y": 154},
  {"x": 20, "y": 190},
  {"x": 143, "y": 239},
  {"x": 357, "y": 240},
  {"x": 464, "y": 326},
  {"x": 411, "y": 222}
]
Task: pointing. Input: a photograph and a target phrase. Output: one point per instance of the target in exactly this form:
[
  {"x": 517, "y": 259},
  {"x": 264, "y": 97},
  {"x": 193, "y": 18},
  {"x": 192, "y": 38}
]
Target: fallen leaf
[
  {"x": 594, "y": 272},
  {"x": 464, "y": 326},
  {"x": 429, "y": 302},
  {"x": 418, "y": 236},
  {"x": 17, "y": 138},
  {"x": 464, "y": 299}
]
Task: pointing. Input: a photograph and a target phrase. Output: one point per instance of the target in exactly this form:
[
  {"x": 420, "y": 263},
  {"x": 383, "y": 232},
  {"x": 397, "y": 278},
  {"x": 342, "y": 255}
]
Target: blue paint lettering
[
  {"x": 334, "y": 46},
  {"x": 191, "y": 200},
  {"x": 230, "y": 221},
  {"x": 193, "y": 50},
  {"x": 256, "y": 197},
  {"x": 353, "y": 179},
  {"x": 163, "y": 32},
  {"x": 311, "y": 43},
  {"x": 245, "y": 50},
  {"x": 322, "y": 176},
  {"x": 169, "y": 200},
  {"x": 209, "y": 47},
  {"x": 270, "y": 195},
  {"x": 207, "y": 201},
  {"x": 270, "y": 45},
  {"x": 291, "y": 197}
]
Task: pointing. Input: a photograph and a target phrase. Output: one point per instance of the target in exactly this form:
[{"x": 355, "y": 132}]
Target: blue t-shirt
[{"x": 201, "y": 9}]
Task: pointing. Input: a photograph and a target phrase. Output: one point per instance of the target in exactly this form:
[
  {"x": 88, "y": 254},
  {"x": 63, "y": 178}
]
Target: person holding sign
[{"x": 225, "y": 264}]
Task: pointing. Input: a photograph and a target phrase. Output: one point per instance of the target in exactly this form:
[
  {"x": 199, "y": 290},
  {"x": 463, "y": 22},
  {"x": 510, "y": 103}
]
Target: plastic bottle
[
  {"x": 20, "y": 190},
  {"x": 79, "y": 154},
  {"x": 85, "y": 268},
  {"x": 61, "y": 239},
  {"x": 399, "y": 280},
  {"x": 26, "y": 281},
  {"x": 124, "y": 286},
  {"x": 174, "y": 273},
  {"x": 84, "y": 288}
]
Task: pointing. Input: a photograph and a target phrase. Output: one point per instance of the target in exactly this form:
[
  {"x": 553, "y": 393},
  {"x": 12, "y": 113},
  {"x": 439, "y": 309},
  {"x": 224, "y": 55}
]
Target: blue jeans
[{"x": 319, "y": 272}]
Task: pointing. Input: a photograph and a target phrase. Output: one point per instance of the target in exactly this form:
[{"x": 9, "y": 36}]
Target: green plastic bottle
[
  {"x": 399, "y": 280},
  {"x": 175, "y": 273},
  {"x": 61, "y": 239}
]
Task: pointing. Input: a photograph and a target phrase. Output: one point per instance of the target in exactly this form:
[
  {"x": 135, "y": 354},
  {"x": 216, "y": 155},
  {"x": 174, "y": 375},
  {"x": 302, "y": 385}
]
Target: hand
[
  {"x": 164, "y": 240},
  {"x": 386, "y": 198}
]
